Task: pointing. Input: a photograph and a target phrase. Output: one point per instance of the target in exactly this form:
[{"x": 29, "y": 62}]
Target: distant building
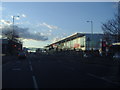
[
  {"x": 78, "y": 41},
  {"x": 10, "y": 47},
  {"x": 31, "y": 49},
  {"x": 4, "y": 43}
]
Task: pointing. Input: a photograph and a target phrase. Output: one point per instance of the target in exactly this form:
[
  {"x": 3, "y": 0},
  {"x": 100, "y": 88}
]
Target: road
[{"x": 56, "y": 72}]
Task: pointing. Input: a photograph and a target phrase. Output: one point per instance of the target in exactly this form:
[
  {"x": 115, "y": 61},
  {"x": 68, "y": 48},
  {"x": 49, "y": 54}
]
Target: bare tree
[
  {"x": 9, "y": 34},
  {"x": 111, "y": 29},
  {"x": 14, "y": 42}
]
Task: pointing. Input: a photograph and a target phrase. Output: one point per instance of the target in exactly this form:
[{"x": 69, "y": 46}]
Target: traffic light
[{"x": 104, "y": 46}]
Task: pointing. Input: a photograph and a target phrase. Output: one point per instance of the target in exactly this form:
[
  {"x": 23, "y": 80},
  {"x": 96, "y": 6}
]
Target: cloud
[
  {"x": 5, "y": 22},
  {"x": 0, "y": 26},
  {"x": 2, "y": 8},
  {"x": 23, "y": 15},
  {"x": 59, "y": 37},
  {"x": 44, "y": 34},
  {"x": 49, "y": 26},
  {"x": 56, "y": 39},
  {"x": 50, "y": 30},
  {"x": 19, "y": 23},
  {"x": 24, "y": 33},
  {"x": 17, "y": 18}
]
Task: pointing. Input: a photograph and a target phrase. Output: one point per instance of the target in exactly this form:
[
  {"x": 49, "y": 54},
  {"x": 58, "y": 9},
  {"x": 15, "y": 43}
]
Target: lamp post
[
  {"x": 91, "y": 33},
  {"x": 13, "y": 27}
]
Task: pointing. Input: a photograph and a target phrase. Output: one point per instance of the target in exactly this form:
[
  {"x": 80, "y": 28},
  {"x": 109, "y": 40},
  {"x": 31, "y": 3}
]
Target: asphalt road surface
[{"x": 55, "y": 72}]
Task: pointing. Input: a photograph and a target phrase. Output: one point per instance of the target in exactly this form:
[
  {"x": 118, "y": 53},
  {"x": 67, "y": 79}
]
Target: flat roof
[
  {"x": 71, "y": 37},
  {"x": 3, "y": 41}
]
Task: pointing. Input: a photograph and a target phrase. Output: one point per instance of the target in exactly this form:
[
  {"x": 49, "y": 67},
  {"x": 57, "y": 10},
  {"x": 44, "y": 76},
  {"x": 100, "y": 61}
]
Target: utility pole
[
  {"x": 91, "y": 34},
  {"x": 13, "y": 27}
]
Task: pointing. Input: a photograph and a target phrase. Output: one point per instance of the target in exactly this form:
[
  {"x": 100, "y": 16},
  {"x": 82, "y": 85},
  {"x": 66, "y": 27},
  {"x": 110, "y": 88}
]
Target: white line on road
[
  {"x": 31, "y": 68},
  {"x": 29, "y": 62},
  {"x": 35, "y": 83},
  {"x": 33, "y": 77},
  {"x": 103, "y": 78},
  {"x": 16, "y": 69}
]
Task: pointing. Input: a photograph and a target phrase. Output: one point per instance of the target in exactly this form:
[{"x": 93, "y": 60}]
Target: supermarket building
[{"x": 78, "y": 41}]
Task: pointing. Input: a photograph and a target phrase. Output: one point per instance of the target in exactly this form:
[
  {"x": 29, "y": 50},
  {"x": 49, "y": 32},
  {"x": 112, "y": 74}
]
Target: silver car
[
  {"x": 86, "y": 55},
  {"x": 116, "y": 56}
]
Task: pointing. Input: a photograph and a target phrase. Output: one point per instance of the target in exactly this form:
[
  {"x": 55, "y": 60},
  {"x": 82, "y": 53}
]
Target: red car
[{"x": 22, "y": 55}]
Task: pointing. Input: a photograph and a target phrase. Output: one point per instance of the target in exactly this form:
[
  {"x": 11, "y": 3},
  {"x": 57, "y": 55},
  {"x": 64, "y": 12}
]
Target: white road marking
[
  {"x": 31, "y": 68},
  {"x": 35, "y": 83},
  {"x": 29, "y": 62},
  {"x": 33, "y": 77},
  {"x": 103, "y": 78},
  {"x": 16, "y": 69}
]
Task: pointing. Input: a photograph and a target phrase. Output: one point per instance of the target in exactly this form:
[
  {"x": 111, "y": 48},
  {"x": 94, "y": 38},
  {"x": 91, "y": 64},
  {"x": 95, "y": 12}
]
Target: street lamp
[
  {"x": 91, "y": 33},
  {"x": 13, "y": 25}
]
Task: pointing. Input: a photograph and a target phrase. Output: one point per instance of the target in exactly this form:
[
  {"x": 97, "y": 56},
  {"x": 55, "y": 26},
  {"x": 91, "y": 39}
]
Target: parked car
[
  {"x": 22, "y": 55},
  {"x": 87, "y": 55},
  {"x": 116, "y": 56}
]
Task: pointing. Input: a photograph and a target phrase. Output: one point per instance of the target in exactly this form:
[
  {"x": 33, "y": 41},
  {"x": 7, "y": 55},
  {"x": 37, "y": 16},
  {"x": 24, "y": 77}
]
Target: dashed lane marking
[
  {"x": 35, "y": 83},
  {"x": 16, "y": 69},
  {"x": 29, "y": 62},
  {"x": 31, "y": 68}
]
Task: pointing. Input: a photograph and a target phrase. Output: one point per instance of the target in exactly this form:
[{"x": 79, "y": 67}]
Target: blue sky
[{"x": 57, "y": 20}]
